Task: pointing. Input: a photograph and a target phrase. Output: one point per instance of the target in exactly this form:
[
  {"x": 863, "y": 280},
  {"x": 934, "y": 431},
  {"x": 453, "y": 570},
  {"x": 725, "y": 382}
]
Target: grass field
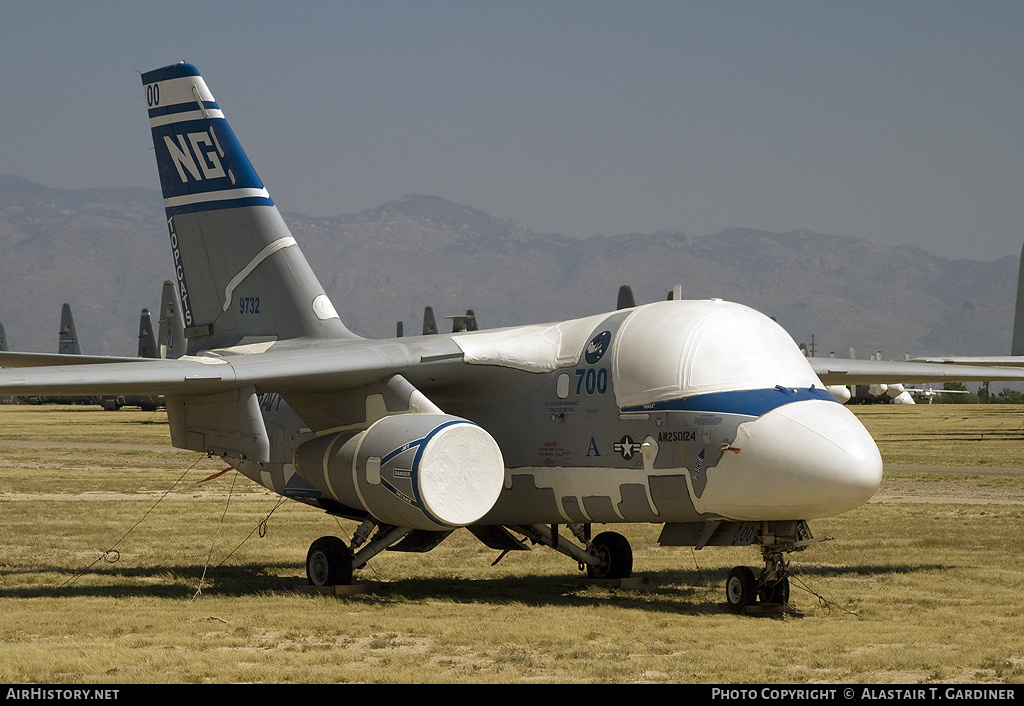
[{"x": 921, "y": 585}]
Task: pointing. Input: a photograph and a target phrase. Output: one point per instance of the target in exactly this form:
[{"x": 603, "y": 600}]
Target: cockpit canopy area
[{"x": 675, "y": 349}]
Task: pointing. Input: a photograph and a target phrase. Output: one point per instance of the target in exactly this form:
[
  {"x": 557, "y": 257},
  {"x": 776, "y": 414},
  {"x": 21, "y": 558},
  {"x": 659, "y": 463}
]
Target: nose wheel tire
[
  {"x": 741, "y": 588},
  {"x": 329, "y": 563}
]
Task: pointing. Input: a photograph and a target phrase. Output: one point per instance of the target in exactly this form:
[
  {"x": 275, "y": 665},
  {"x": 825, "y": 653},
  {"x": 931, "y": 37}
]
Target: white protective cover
[
  {"x": 807, "y": 459},
  {"x": 675, "y": 349},
  {"x": 537, "y": 349},
  {"x": 461, "y": 474}
]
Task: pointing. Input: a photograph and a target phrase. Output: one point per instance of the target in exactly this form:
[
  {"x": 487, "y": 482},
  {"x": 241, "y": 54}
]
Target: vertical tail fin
[
  {"x": 1017, "y": 344},
  {"x": 625, "y": 299},
  {"x": 172, "y": 331},
  {"x": 67, "y": 343},
  {"x": 429, "y": 321},
  {"x": 147, "y": 338},
  {"x": 240, "y": 274}
]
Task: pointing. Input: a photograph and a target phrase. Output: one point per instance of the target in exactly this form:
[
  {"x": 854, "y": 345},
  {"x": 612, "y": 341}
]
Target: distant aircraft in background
[
  {"x": 67, "y": 345},
  {"x": 700, "y": 415},
  {"x": 930, "y": 393},
  {"x": 172, "y": 344},
  {"x": 5, "y": 399},
  {"x": 1016, "y": 357},
  {"x": 460, "y": 322},
  {"x": 171, "y": 326}
]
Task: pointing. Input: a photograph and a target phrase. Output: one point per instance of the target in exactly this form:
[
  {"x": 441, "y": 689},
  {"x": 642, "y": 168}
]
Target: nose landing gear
[{"x": 771, "y": 588}]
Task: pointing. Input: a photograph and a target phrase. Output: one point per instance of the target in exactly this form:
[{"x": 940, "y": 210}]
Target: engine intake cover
[{"x": 425, "y": 471}]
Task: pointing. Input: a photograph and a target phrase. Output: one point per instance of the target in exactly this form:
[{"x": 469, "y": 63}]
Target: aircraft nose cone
[{"x": 802, "y": 460}]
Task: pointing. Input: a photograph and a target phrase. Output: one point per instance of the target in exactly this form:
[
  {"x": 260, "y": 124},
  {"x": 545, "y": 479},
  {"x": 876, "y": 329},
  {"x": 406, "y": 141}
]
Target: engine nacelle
[
  {"x": 425, "y": 471},
  {"x": 840, "y": 392},
  {"x": 895, "y": 390}
]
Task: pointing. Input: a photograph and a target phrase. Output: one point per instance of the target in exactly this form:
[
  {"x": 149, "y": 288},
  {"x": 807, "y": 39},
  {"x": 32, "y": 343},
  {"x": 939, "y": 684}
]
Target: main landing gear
[
  {"x": 330, "y": 562},
  {"x": 771, "y": 587},
  {"x": 606, "y": 556}
]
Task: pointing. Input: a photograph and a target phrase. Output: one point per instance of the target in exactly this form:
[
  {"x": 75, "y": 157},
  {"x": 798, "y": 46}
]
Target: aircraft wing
[
  {"x": 348, "y": 364},
  {"x": 153, "y": 377},
  {"x": 1007, "y": 361},
  {"x": 21, "y": 359},
  {"x": 293, "y": 368},
  {"x": 844, "y": 371}
]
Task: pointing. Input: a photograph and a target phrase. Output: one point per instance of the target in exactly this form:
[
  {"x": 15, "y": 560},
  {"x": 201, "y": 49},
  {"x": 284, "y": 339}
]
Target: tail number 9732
[{"x": 248, "y": 305}]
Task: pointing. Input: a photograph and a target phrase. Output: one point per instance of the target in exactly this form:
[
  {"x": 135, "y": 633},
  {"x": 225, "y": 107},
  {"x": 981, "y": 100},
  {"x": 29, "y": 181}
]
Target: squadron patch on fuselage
[{"x": 597, "y": 347}]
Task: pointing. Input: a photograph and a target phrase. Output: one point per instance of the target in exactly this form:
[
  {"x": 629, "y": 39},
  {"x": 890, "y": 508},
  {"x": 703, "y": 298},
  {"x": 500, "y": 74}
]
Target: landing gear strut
[
  {"x": 330, "y": 561},
  {"x": 771, "y": 587},
  {"x": 606, "y": 556}
]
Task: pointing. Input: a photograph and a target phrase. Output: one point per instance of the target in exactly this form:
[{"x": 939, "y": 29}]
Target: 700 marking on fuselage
[{"x": 592, "y": 380}]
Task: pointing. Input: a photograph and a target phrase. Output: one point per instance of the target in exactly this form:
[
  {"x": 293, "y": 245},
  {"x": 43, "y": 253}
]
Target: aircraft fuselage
[{"x": 573, "y": 452}]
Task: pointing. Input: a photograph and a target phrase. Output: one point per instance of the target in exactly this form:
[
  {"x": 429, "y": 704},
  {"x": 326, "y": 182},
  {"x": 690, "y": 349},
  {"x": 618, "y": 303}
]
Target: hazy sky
[{"x": 902, "y": 122}]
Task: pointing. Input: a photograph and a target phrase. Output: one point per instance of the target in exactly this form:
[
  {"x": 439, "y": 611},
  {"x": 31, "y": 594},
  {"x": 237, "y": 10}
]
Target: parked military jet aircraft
[
  {"x": 700, "y": 415},
  {"x": 147, "y": 349},
  {"x": 1016, "y": 357},
  {"x": 4, "y": 399},
  {"x": 67, "y": 345}
]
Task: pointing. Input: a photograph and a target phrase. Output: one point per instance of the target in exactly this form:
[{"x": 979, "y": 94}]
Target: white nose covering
[{"x": 802, "y": 460}]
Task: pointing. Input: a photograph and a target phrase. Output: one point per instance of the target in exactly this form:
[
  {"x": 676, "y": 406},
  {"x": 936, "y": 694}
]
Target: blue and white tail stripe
[{"x": 202, "y": 167}]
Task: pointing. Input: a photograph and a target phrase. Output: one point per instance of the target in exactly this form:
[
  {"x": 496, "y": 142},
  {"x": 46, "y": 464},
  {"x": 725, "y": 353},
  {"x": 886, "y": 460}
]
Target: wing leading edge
[
  {"x": 841, "y": 371},
  {"x": 326, "y": 367}
]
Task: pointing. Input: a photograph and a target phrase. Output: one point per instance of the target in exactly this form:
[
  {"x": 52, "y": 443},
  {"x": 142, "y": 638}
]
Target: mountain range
[{"x": 105, "y": 252}]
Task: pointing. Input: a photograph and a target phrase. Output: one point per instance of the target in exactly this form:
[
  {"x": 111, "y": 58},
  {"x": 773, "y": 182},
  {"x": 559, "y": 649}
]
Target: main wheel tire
[
  {"x": 329, "y": 563},
  {"x": 616, "y": 557},
  {"x": 775, "y": 594},
  {"x": 740, "y": 588}
]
